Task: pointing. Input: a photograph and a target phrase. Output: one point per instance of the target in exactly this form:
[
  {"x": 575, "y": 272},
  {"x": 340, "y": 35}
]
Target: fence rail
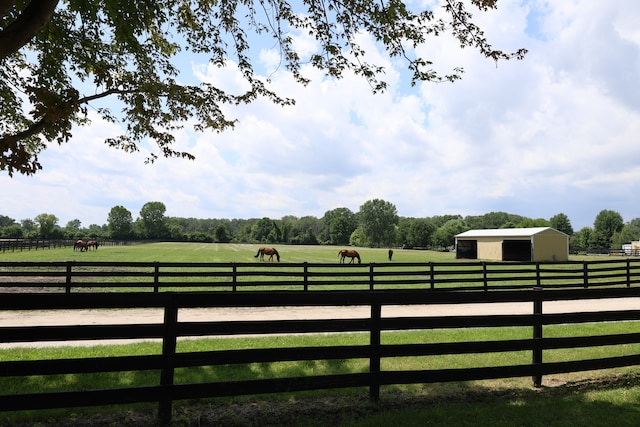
[
  {"x": 19, "y": 244},
  {"x": 77, "y": 276},
  {"x": 166, "y": 391}
]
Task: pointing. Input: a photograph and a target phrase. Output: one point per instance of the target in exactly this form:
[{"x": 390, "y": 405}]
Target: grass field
[{"x": 219, "y": 252}]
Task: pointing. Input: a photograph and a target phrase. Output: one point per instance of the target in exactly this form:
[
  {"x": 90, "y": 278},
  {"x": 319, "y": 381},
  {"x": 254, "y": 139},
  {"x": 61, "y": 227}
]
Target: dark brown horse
[
  {"x": 268, "y": 251},
  {"x": 80, "y": 245},
  {"x": 351, "y": 254},
  {"x": 92, "y": 243}
]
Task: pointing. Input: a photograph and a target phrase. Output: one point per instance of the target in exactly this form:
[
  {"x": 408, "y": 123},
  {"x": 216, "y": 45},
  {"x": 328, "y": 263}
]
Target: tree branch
[
  {"x": 5, "y": 6},
  {"x": 26, "y": 26}
]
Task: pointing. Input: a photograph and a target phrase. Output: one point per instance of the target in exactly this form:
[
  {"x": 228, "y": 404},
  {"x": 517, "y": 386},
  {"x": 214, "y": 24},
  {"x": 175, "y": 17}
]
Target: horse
[
  {"x": 80, "y": 245},
  {"x": 93, "y": 243},
  {"x": 390, "y": 254},
  {"x": 268, "y": 251},
  {"x": 353, "y": 254}
]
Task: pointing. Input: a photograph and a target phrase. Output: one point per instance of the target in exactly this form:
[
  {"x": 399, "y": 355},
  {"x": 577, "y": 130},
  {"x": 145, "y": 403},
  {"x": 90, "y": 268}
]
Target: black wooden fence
[
  {"x": 80, "y": 276},
  {"x": 20, "y": 244},
  {"x": 166, "y": 391}
]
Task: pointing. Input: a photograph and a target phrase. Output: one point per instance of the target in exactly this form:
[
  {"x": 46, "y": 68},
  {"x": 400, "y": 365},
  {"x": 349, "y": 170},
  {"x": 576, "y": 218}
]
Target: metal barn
[{"x": 513, "y": 244}]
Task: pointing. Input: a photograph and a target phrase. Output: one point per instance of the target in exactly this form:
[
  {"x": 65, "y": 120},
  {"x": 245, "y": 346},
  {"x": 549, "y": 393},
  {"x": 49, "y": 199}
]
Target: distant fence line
[
  {"x": 13, "y": 245},
  {"x": 167, "y": 389},
  {"x": 83, "y": 276}
]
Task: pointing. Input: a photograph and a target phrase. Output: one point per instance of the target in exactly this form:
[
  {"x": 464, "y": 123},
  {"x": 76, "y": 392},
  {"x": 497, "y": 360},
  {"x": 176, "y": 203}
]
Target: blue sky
[{"x": 556, "y": 132}]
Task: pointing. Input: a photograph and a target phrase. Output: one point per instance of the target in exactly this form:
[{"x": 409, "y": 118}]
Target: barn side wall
[{"x": 550, "y": 247}]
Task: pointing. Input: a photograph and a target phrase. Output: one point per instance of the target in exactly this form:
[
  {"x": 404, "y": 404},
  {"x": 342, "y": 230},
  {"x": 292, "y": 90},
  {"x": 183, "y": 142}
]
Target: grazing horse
[
  {"x": 351, "y": 254},
  {"x": 93, "y": 243},
  {"x": 390, "y": 254},
  {"x": 268, "y": 251},
  {"x": 80, "y": 245}
]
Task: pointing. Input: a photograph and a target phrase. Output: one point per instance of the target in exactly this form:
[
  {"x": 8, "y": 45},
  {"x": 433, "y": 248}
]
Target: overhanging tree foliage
[{"x": 61, "y": 58}]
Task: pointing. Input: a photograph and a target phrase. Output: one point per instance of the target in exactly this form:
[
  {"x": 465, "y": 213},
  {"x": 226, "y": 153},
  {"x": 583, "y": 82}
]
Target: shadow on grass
[{"x": 610, "y": 400}]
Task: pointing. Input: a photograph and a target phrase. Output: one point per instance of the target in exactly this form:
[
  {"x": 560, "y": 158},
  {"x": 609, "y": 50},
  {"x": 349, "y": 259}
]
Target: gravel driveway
[{"x": 140, "y": 316}]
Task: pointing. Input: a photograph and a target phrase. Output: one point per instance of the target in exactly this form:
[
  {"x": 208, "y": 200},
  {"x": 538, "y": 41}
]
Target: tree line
[{"x": 375, "y": 224}]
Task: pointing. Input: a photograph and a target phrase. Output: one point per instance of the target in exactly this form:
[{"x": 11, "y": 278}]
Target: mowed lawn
[{"x": 220, "y": 252}]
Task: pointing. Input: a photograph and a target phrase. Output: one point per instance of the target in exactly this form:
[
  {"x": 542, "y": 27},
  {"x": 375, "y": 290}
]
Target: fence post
[
  {"x": 538, "y": 278},
  {"x": 374, "y": 353},
  {"x": 484, "y": 276},
  {"x": 432, "y": 275},
  {"x": 156, "y": 276},
  {"x": 234, "y": 278},
  {"x": 537, "y": 336},
  {"x": 306, "y": 278},
  {"x": 68, "y": 279},
  {"x": 371, "y": 282},
  {"x": 169, "y": 341},
  {"x": 628, "y": 273},
  {"x": 585, "y": 274}
]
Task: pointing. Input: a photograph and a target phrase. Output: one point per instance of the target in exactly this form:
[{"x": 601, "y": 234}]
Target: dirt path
[{"x": 144, "y": 316}]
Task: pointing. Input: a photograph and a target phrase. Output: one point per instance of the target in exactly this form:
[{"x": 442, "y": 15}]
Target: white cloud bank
[{"x": 554, "y": 133}]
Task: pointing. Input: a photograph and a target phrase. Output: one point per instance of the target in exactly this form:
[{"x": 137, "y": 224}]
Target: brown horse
[
  {"x": 268, "y": 251},
  {"x": 92, "y": 243},
  {"x": 351, "y": 254},
  {"x": 80, "y": 245}
]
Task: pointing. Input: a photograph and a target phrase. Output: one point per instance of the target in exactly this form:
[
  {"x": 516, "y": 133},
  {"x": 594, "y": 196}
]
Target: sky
[{"x": 557, "y": 132}]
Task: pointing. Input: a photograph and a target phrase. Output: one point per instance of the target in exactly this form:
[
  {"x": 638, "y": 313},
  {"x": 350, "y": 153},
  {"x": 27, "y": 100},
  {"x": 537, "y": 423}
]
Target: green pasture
[
  {"x": 233, "y": 252},
  {"x": 220, "y": 252}
]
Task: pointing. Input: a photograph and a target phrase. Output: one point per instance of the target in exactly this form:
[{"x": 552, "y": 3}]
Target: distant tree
[
  {"x": 493, "y": 220},
  {"x": 583, "y": 239},
  {"x": 222, "y": 234},
  {"x": 358, "y": 238},
  {"x": 607, "y": 223},
  {"x": 440, "y": 220},
  {"x": 5, "y": 221},
  {"x": 630, "y": 232},
  {"x": 445, "y": 236},
  {"x": 261, "y": 229},
  {"x": 72, "y": 229},
  {"x": 309, "y": 238},
  {"x": 46, "y": 223},
  {"x": 403, "y": 230},
  {"x": 176, "y": 232},
  {"x": 96, "y": 231},
  {"x": 340, "y": 222},
  {"x": 120, "y": 223},
  {"x": 29, "y": 226},
  {"x": 153, "y": 220},
  {"x": 530, "y": 222},
  {"x": 378, "y": 220},
  {"x": 420, "y": 233},
  {"x": 14, "y": 231},
  {"x": 561, "y": 223}
]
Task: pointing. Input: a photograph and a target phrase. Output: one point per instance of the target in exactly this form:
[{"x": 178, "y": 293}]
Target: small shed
[{"x": 514, "y": 244}]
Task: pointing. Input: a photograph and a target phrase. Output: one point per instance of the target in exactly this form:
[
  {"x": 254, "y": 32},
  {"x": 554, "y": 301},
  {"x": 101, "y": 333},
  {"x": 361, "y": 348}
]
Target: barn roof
[{"x": 506, "y": 232}]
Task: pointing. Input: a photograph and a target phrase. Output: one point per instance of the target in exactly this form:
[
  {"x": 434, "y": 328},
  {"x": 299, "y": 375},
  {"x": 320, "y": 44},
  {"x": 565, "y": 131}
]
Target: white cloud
[{"x": 554, "y": 133}]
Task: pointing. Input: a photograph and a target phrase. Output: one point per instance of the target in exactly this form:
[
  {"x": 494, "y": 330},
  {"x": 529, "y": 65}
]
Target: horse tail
[
  {"x": 277, "y": 254},
  {"x": 257, "y": 254}
]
